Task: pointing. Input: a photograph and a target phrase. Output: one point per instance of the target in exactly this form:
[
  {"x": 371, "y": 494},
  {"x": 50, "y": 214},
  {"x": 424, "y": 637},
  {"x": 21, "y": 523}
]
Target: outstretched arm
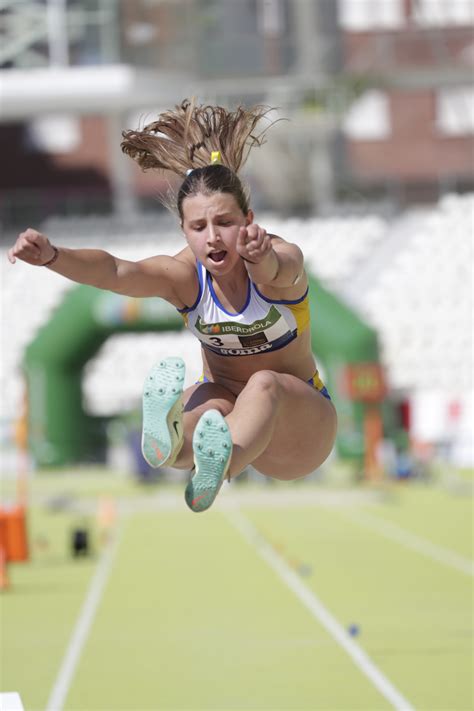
[
  {"x": 268, "y": 258},
  {"x": 156, "y": 276}
]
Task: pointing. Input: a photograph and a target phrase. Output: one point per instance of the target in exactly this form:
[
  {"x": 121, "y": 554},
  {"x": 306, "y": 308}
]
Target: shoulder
[
  {"x": 188, "y": 287},
  {"x": 298, "y": 289},
  {"x": 186, "y": 256},
  {"x": 169, "y": 277},
  {"x": 289, "y": 293},
  {"x": 165, "y": 266},
  {"x": 282, "y": 245}
]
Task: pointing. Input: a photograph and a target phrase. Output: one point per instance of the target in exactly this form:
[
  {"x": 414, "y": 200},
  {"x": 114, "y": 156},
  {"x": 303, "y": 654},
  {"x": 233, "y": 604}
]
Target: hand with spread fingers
[
  {"x": 253, "y": 243},
  {"x": 31, "y": 247}
]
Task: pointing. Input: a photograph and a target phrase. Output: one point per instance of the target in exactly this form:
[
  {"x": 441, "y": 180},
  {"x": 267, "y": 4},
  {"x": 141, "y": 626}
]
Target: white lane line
[
  {"x": 318, "y": 610},
  {"x": 65, "y": 675},
  {"x": 410, "y": 540}
]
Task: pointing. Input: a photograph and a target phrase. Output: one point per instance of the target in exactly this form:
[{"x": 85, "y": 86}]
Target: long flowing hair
[
  {"x": 184, "y": 138},
  {"x": 182, "y": 141}
]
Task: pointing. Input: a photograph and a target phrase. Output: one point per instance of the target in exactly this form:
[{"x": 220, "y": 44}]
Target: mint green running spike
[
  {"x": 212, "y": 446},
  {"x": 162, "y": 436}
]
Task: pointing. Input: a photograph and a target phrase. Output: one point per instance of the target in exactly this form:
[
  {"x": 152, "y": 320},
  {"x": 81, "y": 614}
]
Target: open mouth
[{"x": 217, "y": 256}]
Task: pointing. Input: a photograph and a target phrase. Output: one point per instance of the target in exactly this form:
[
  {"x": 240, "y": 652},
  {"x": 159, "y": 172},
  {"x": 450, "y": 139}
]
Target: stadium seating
[{"x": 411, "y": 278}]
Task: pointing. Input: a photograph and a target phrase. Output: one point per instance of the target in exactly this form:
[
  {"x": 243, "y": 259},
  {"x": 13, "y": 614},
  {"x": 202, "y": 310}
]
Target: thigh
[
  {"x": 304, "y": 434},
  {"x": 204, "y": 396}
]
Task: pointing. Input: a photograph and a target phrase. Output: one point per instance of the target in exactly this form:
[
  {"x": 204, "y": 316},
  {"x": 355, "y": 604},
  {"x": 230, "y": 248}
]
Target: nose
[{"x": 212, "y": 234}]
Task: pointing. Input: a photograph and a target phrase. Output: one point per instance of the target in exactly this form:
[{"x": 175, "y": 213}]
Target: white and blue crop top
[{"x": 262, "y": 326}]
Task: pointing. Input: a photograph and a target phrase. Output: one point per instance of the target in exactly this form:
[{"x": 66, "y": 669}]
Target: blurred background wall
[
  {"x": 379, "y": 95},
  {"x": 373, "y": 170},
  {"x": 146, "y": 55}
]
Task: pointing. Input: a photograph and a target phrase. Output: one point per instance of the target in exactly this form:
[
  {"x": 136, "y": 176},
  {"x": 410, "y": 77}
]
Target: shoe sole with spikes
[
  {"x": 212, "y": 446},
  {"x": 162, "y": 435}
]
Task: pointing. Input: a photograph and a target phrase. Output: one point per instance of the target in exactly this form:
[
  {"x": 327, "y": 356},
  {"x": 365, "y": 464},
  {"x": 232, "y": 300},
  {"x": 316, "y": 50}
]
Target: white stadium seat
[{"x": 410, "y": 278}]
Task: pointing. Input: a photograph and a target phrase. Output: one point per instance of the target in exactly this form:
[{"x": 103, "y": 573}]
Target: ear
[{"x": 249, "y": 218}]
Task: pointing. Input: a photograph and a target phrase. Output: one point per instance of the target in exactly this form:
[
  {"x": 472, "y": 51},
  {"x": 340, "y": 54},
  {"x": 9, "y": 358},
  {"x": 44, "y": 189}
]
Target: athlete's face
[{"x": 211, "y": 224}]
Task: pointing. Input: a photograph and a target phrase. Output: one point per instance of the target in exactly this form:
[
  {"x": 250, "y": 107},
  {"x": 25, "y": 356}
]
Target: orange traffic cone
[{"x": 4, "y": 582}]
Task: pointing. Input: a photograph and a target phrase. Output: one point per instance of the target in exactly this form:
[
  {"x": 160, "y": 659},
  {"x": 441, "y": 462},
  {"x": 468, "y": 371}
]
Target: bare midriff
[{"x": 233, "y": 372}]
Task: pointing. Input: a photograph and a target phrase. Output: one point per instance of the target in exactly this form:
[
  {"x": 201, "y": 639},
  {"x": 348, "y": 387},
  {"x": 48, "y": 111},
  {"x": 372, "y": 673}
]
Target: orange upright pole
[
  {"x": 4, "y": 581},
  {"x": 373, "y": 434},
  {"x": 21, "y": 441}
]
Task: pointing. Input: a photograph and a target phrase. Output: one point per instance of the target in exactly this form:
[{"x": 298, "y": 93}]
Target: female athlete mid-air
[{"x": 242, "y": 292}]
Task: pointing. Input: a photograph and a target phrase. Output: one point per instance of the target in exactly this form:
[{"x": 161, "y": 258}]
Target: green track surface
[{"x": 192, "y": 618}]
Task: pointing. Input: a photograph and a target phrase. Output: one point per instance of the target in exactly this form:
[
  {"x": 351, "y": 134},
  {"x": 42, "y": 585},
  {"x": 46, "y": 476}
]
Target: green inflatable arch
[{"x": 62, "y": 433}]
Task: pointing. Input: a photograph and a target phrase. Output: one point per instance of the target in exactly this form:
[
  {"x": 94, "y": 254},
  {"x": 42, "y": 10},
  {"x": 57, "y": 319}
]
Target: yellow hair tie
[{"x": 215, "y": 157}]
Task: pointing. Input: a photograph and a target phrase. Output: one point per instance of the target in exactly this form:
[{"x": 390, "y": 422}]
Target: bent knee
[
  {"x": 223, "y": 406},
  {"x": 265, "y": 381},
  {"x": 209, "y": 396}
]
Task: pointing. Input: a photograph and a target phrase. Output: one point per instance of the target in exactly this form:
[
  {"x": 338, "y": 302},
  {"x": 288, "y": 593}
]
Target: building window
[
  {"x": 368, "y": 119},
  {"x": 455, "y": 111},
  {"x": 439, "y": 13},
  {"x": 59, "y": 133},
  {"x": 361, "y": 15}
]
